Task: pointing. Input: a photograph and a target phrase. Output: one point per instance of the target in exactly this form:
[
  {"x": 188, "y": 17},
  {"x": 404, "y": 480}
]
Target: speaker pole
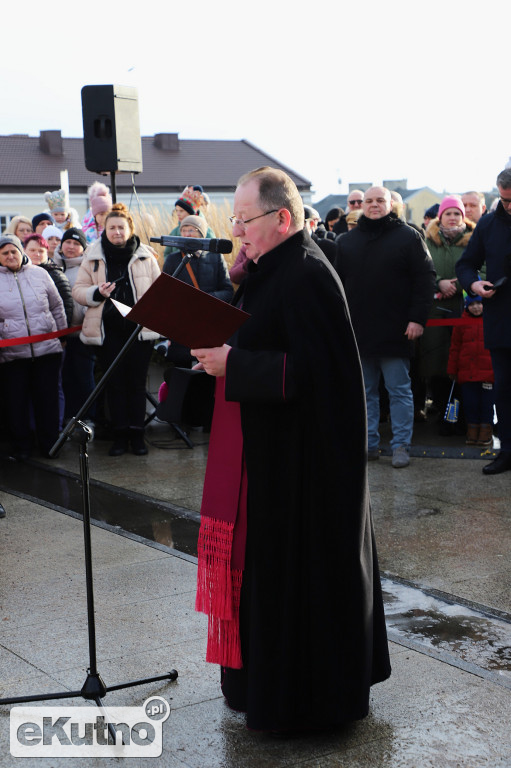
[{"x": 114, "y": 190}]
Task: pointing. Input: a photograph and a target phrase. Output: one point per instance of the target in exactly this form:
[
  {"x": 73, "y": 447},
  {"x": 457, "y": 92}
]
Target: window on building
[{"x": 5, "y": 219}]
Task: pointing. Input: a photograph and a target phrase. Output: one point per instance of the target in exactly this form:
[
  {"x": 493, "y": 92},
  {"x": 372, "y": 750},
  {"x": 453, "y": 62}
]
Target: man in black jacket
[
  {"x": 491, "y": 244},
  {"x": 389, "y": 279}
]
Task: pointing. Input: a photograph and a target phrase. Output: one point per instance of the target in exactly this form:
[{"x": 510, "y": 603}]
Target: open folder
[{"x": 184, "y": 314}]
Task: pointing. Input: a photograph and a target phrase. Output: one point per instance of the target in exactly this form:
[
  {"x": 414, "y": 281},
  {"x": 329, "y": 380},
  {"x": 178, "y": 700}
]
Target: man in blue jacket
[{"x": 491, "y": 244}]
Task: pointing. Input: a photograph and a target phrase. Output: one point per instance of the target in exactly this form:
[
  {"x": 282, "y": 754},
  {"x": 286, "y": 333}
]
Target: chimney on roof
[
  {"x": 50, "y": 142},
  {"x": 395, "y": 184},
  {"x": 169, "y": 142}
]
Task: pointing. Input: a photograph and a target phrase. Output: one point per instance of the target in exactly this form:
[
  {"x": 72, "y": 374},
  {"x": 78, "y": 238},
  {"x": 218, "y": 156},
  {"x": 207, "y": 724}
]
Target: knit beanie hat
[
  {"x": 58, "y": 201},
  {"x": 452, "y": 201},
  {"x": 186, "y": 206},
  {"x": 198, "y": 222},
  {"x": 432, "y": 211},
  {"x": 40, "y": 217},
  {"x": 52, "y": 231},
  {"x": 100, "y": 198},
  {"x": 470, "y": 299},
  {"x": 73, "y": 233},
  {"x": 11, "y": 240}
]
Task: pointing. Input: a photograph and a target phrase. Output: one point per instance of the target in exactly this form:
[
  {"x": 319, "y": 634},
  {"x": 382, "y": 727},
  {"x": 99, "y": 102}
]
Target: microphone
[{"x": 192, "y": 244}]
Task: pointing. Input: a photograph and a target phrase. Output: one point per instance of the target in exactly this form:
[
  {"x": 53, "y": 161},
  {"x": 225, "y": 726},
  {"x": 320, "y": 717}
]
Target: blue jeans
[
  {"x": 396, "y": 376},
  {"x": 477, "y": 402}
]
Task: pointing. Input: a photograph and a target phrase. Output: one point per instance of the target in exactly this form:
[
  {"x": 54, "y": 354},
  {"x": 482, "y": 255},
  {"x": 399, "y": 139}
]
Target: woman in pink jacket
[{"x": 30, "y": 305}]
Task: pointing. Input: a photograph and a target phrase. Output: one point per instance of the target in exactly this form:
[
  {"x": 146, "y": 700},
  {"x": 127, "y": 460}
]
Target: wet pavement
[
  {"x": 471, "y": 638},
  {"x": 444, "y": 540}
]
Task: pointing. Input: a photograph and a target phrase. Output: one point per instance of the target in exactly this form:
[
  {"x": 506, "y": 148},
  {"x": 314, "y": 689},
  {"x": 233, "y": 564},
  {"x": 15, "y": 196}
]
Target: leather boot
[
  {"x": 472, "y": 434},
  {"x": 485, "y": 435},
  {"x": 501, "y": 464},
  {"x": 138, "y": 446},
  {"x": 120, "y": 444}
]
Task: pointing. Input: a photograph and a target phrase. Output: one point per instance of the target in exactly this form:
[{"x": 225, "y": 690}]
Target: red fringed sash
[{"x": 222, "y": 534}]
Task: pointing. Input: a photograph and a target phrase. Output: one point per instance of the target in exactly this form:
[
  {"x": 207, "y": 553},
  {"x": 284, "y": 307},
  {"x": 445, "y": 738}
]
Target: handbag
[{"x": 453, "y": 407}]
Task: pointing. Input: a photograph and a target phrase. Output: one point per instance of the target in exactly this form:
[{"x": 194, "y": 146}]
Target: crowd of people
[
  {"x": 419, "y": 324},
  {"x": 418, "y": 327},
  {"x": 65, "y": 301},
  {"x": 336, "y": 309}
]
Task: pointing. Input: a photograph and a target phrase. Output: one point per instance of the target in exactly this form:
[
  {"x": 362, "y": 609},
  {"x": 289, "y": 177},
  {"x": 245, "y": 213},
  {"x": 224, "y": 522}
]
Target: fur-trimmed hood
[{"x": 433, "y": 233}]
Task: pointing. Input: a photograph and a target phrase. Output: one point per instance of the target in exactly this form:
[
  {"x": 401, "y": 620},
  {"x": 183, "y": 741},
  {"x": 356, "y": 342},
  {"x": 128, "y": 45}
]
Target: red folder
[{"x": 185, "y": 314}]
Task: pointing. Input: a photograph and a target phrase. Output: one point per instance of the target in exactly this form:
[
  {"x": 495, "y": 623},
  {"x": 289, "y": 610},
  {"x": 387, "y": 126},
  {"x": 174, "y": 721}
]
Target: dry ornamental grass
[{"x": 155, "y": 221}]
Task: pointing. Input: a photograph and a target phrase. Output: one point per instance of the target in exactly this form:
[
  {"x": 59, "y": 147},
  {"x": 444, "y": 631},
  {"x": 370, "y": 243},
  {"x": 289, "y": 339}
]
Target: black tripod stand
[{"x": 93, "y": 688}]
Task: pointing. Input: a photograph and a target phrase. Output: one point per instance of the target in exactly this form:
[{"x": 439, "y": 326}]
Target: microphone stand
[{"x": 93, "y": 688}]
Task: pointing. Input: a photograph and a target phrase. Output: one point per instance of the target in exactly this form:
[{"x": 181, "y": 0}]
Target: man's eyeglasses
[
  {"x": 355, "y": 202},
  {"x": 505, "y": 201},
  {"x": 243, "y": 223}
]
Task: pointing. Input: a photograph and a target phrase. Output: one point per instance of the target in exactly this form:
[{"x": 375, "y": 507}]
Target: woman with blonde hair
[
  {"x": 19, "y": 226},
  {"x": 119, "y": 266}
]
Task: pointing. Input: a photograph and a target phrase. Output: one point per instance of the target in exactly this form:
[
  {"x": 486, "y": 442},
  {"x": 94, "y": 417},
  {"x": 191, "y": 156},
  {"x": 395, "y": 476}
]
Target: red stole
[{"x": 222, "y": 534}]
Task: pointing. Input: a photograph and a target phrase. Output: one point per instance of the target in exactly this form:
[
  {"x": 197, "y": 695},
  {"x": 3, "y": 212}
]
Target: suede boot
[
  {"x": 472, "y": 434},
  {"x": 485, "y": 435},
  {"x": 120, "y": 444},
  {"x": 138, "y": 446}
]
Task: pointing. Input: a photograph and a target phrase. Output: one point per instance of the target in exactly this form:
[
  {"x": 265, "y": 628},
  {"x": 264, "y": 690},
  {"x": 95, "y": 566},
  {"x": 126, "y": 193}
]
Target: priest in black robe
[{"x": 288, "y": 571}]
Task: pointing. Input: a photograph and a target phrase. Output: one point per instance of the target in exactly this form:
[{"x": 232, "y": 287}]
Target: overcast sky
[{"x": 360, "y": 91}]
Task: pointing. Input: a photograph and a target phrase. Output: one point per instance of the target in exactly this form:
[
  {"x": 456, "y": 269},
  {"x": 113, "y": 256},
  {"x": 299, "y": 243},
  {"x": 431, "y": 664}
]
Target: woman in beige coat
[{"x": 118, "y": 266}]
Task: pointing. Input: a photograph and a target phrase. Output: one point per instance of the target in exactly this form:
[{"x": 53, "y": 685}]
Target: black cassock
[{"x": 311, "y": 617}]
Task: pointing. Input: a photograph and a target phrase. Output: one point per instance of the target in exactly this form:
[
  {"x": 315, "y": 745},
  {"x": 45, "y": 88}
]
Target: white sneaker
[{"x": 400, "y": 456}]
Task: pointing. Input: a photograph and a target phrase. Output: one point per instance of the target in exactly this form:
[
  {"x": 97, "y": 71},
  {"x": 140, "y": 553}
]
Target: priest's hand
[{"x": 213, "y": 360}]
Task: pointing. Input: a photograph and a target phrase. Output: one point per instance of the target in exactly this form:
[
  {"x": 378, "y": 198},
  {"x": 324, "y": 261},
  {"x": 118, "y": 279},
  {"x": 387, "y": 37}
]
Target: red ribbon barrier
[
  {"x": 55, "y": 334},
  {"x": 39, "y": 337},
  {"x": 453, "y": 321}
]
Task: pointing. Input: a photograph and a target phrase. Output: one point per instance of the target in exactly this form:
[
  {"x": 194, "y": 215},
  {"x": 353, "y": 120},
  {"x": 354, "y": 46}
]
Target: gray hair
[
  {"x": 277, "y": 190},
  {"x": 480, "y": 195},
  {"x": 504, "y": 179}
]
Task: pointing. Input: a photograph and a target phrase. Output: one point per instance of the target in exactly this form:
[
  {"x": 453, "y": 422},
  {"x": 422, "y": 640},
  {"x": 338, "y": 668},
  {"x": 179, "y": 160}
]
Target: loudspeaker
[{"x": 111, "y": 129}]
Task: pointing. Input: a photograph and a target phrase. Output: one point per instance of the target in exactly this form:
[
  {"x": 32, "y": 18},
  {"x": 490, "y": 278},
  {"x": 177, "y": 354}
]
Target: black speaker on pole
[{"x": 111, "y": 129}]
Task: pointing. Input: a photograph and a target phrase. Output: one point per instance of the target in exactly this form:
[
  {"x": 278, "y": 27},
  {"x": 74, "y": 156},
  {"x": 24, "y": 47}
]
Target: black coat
[
  {"x": 327, "y": 245},
  {"x": 491, "y": 244},
  {"x": 389, "y": 279},
  {"x": 63, "y": 287},
  {"x": 312, "y": 625}
]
